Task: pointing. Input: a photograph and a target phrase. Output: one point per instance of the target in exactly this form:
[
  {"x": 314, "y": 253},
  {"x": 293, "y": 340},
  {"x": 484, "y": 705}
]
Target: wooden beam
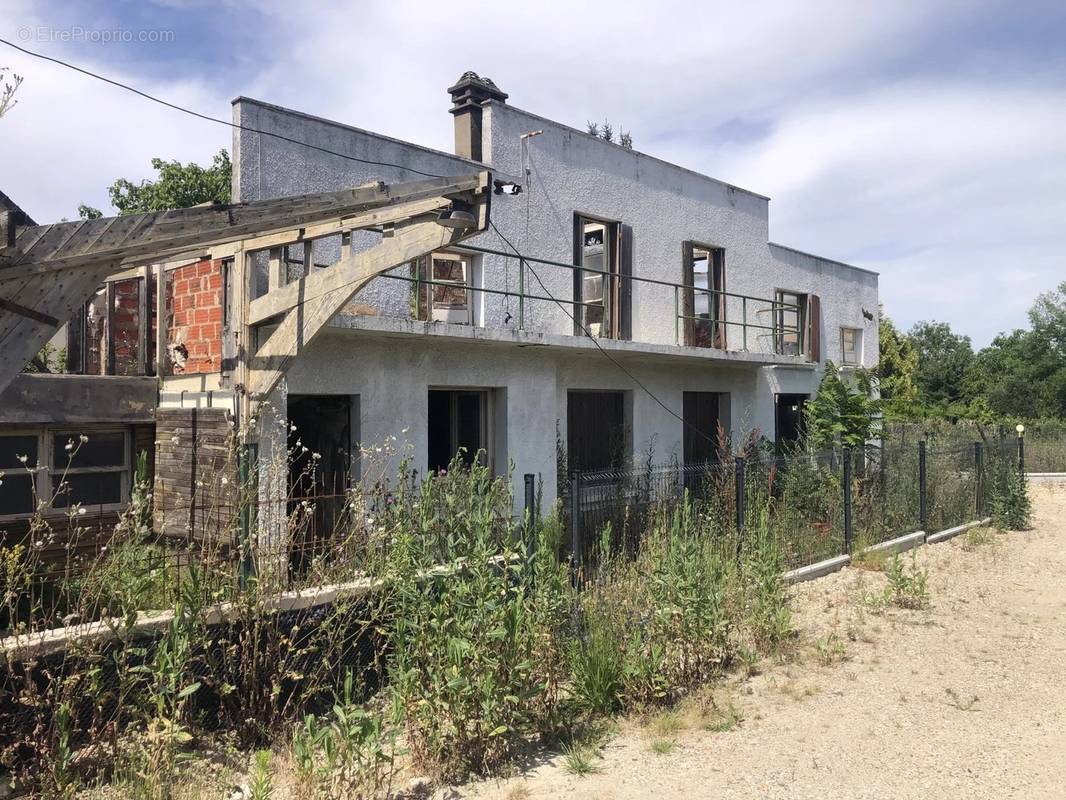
[
  {"x": 156, "y": 235},
  {"x": 311, "y": 302},
  {"x": 29, "y": 313},
  {"x": 161, "y": 321},
  {"x": 276, "y": 269}
]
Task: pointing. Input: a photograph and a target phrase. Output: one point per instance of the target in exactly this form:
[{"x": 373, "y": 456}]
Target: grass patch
[
  {"x": 830, "y": 650},
  {"x": 663, "y": 746}
]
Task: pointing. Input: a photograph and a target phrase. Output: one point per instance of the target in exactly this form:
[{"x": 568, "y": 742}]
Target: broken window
[
  {"x": 602, "y": 290},
  {"x": 850, "y": 346},
  {"x": 458, "y": 424},
  {"x": 444, "y": 288},
  {"x": 790, "y": 315},
  {"x": 18, "y": 462},
  {"x": 596, "y": 431},
  {"x": 704, "y": 312},
  {"x": 110, "y": 336}
]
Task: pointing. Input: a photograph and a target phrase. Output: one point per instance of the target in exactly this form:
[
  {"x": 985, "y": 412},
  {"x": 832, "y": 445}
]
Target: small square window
[{"x": 850, "y": 346}]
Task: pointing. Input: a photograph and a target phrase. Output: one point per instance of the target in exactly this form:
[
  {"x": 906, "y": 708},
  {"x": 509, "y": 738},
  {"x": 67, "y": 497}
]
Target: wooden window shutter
[
  {"x": 579, "y": 242},
  {"x": 625, "y": 287},
  {"x": 814, "y": 328},
  {"x": 716, "y": 279},
  {"x": 688, "y": 298}
]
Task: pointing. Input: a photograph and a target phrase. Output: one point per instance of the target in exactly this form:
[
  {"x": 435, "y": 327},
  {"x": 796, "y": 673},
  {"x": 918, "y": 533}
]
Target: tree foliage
[
  {"x": 178, "y": 186},
  {"x": 933, "y": 371},
  {"x": 844, "y": 410}
]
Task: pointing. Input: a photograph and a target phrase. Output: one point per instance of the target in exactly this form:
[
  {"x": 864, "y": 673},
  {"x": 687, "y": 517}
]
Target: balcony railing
[
  {"x": 736, "y": 322},
  {"x": 784, "y": 337}
]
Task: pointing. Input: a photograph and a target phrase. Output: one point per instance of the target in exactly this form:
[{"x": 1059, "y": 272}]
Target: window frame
[
  {"x": 778, "y": 315},
  {"x": 857, "y": 350},
  {"x": 467, "y": 262},
  {"x": 610, "y": 277},
  {"x": 43, "y": 472},
  {"x": 716, "y": 321}
]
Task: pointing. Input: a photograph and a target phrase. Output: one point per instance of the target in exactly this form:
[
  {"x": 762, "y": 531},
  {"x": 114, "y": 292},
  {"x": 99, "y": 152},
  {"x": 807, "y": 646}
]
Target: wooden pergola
[{"x": 49, "y": 272}]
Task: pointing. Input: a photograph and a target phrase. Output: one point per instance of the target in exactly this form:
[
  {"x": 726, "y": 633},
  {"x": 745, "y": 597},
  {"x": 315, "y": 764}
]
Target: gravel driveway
[{"x": 964, "y": 700}]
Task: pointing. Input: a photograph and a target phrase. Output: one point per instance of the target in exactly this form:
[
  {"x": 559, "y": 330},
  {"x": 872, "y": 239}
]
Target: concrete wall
[{"x": 568, "y": 172}]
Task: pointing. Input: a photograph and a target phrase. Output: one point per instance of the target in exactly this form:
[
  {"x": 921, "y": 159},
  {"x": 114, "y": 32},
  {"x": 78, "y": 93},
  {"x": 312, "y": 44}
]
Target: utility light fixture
[
  {"x": 1020, "y": 428},
  {"x": 456, "y": 218}
]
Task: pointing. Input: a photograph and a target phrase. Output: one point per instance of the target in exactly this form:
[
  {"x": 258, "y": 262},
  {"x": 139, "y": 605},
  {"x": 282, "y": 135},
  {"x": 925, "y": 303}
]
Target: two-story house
[{"x": 648, "y": 310}]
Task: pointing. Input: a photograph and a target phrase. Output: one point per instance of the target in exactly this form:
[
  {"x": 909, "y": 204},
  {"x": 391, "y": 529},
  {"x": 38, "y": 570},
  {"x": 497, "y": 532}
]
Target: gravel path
[{"x": 964, "y": 700}]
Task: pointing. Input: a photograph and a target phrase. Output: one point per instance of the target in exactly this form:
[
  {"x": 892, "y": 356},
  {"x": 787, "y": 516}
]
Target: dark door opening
[
  {"x": 320, "y": 464},
  {"x": 595, "y": 430},
  {"x": 701, "y": 415},
  {"x": 789, "y": 418},
  {"x": 457, "y": 425}
]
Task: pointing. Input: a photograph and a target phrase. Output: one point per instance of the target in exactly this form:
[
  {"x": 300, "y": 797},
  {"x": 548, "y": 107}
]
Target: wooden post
[
  {"x": 161, "y": 321},
  {"x": 144, "y": 324}
]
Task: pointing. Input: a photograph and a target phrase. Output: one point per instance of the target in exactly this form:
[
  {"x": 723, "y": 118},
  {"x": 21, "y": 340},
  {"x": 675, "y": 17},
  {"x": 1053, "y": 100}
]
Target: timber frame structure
[{"x": 49, "y": 272}]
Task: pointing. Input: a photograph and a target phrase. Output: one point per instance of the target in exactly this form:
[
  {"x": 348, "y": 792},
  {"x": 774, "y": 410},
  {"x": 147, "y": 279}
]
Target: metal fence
[{"x": 816, "y": 505}]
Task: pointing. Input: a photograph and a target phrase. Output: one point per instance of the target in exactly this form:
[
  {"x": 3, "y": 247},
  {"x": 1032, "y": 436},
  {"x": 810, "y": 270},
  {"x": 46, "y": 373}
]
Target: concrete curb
[
  {"x": 819, "y": 570},
  {"x": 1046, "y": 477},
  {"x": 900, "y": 544},
  {"x": 950, "y": 533}
]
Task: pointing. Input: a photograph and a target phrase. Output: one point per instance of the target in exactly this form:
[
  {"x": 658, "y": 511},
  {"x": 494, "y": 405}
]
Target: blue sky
[{"x": 926, "y": 140}]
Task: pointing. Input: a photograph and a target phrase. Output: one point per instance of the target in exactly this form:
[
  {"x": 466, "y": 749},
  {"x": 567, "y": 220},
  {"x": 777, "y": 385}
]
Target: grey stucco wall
[{"x": 568, "y": 172}]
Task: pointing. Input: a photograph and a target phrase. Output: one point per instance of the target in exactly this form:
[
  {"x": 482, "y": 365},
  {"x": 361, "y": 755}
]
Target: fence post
[
  {"x": 847, "y": 500},
  {"x": 530, "y": 512},
  {"x": 979, "y": 478},
  {"x": 741, "y": 498},
  {"x": 923, "y": 498},
  {"x": 575, "y": 521},
  {"x": 1021, "y": 452}
]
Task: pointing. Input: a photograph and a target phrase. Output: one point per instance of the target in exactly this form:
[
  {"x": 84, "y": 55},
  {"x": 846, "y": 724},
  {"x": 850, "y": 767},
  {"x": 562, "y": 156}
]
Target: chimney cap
[{"x": 471, "y": 89}]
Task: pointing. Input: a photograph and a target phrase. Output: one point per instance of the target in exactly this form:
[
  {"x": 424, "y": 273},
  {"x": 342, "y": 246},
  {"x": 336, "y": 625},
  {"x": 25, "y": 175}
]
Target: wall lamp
[{"x": 458, "y": 216}]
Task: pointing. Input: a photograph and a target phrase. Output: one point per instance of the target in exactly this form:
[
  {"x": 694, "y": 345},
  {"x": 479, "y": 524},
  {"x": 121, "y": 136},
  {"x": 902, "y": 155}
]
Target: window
[
  {"x": 447, "y": 295},
  {"x": 850, "y": 346},
  {"x": 16, "y": 490},
  {"x": 459, "y": 423},
  {"x": 704, "y": 274},
  {"x": 64, "y": 470},
  {"x": 790, "y": 319},
  {"x": 110, "y": 335},
  {"x": 603, "y": 290}
]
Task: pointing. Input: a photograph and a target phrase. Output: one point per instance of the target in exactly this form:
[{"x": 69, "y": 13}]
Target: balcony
[{"x": 487, "y": 294}]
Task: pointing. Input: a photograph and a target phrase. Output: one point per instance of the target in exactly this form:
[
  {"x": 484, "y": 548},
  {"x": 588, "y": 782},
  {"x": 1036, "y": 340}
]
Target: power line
[
  {"x": 216, "y": 120},
  {"x": 290, "y": 140},
  {"x": 592, "y": 338}
]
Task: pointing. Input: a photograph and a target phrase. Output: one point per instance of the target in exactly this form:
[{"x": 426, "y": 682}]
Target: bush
[
  {"x": 1011, "y": 506},
  {"x": 461, "y": 628}
]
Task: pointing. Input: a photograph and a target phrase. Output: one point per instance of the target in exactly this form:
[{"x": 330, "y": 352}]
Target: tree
[
  {"x": 1048, "y": 318},
  {"x": 896, "y": 370},
  {"x": 842, "y": 411},
  {"x": 943, "y": 360},
  {"x": 178, "y": 186},
  {"x": 605, "y": 131},
  {"x": 8, "y": 89},
  {"x": 88, "y": 212}
]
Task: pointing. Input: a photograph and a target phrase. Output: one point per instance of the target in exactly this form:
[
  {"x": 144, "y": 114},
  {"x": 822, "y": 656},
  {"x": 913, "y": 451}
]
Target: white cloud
[{"x": 878, "y": 129}]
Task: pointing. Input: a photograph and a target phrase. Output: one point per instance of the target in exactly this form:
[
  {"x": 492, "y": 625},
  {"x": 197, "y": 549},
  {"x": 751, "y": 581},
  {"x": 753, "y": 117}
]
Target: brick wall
[
  {"x": 195, "y": 487},
  {"x": 126, "y": 328},
  {"x": 194, "y": 313}
]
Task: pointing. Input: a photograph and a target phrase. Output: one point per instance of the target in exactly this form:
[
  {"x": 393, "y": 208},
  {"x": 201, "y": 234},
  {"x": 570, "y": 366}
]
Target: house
[{"x": 647, "y": 309}]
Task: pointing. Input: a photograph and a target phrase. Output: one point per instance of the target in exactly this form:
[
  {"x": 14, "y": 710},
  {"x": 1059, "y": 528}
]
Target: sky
[{"x": 925, "y": 140}]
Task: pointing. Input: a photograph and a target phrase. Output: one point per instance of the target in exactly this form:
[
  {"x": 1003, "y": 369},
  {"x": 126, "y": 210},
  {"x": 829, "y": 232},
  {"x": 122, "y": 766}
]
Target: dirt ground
[{"x": 966, "y": 699}]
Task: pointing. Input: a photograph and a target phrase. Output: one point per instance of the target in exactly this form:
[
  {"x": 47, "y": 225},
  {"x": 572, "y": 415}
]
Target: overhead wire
[{"x": 346, "y": 156}]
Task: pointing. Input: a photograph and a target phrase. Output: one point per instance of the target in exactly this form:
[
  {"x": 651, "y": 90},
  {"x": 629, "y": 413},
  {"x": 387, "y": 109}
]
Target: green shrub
[
  {"x": 1011, "y": 507},
  {"x": 907, "y": 588},
  {"x": 461, "y": 629}
]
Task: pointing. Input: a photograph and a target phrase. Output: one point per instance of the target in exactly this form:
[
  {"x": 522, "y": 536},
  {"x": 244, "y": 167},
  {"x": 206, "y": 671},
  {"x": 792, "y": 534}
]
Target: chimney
[{"x": 468, "y": 95}]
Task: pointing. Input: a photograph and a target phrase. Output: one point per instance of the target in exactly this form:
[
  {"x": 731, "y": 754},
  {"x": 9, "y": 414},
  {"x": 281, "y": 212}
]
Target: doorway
[
  {"x": 320, "y": 462},
  {"x": 458, "y": 426},
  {"x": 789, "y": 419}
]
